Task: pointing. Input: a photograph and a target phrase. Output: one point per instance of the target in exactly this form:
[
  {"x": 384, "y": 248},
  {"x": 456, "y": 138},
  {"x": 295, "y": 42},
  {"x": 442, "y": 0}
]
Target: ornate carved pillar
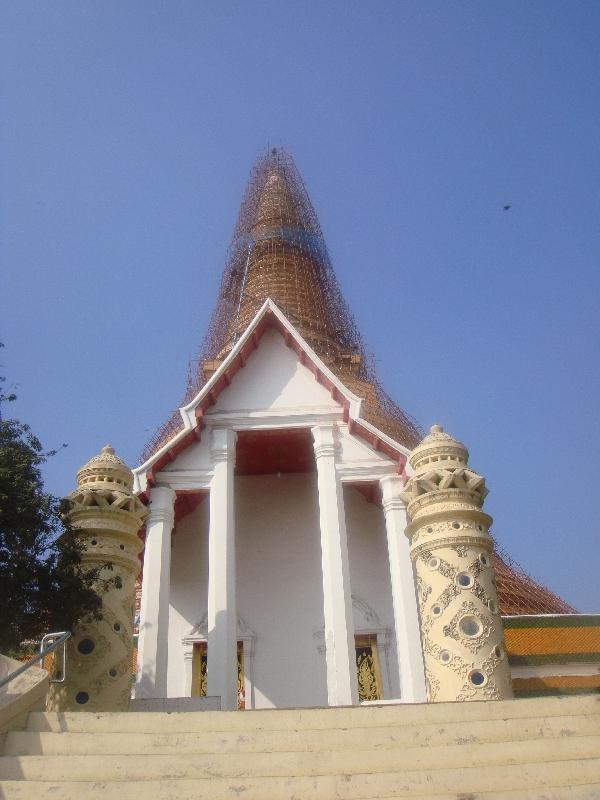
[
  {"x": 342, "y": 688},
  {"x": 463, "y": 646},
  {"x": 222, "y": 669},
  {"x": 153, "y": 645},
  {"x": 108, "y": 518},
  {"x": 404, "y": 599}
]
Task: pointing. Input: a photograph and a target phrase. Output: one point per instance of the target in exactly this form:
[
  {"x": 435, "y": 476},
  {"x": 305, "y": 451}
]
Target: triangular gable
[
  {"x": 274, "y": 380},
  {"x": 193, "y": 413}
]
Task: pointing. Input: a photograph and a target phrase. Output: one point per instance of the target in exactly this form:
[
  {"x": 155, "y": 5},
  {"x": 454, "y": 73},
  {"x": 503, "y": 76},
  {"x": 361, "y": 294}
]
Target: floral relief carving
[
  {"x": 488, "y": 692},
  {"x": 449, "y": 593},
  {"x": 479, "y": 592},
  {"x": 423, "y": 590},
  {"x": 475, "y": 567},
  {"x": 455, "y": 664},
  {"x": 472, "y": 643},
  {"x": 447, "y": 570},
  {"x": 432, "y": 685}
]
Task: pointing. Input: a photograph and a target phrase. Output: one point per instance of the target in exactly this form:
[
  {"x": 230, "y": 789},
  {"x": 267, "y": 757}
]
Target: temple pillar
[
  {"x": 342, "y": 687},
  {"x": 450, "y": 544},
  {"x": 222, "y": 667},
  {"x": 153, "y": 649},
  {"x": 106, "y": 516},
  {"x": 404, "y": 599}
]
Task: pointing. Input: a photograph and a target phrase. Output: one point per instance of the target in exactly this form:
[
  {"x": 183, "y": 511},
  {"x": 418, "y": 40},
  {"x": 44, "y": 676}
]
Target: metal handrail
[{"x": 56, "y": 639}]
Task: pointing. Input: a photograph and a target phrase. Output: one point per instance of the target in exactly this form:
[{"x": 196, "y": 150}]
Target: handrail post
[
  {"x": 59, "y": 638},
  {"x": 53, "y": 637}
]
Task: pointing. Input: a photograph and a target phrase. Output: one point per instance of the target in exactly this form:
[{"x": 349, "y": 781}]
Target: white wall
[
  {"x": 370, "y": 579},
  {"x": 280, "y": 593},
  {"x": 279, "y": 590},
  {"x": 189, "y": 589},
  {"x": 279, "y": 587},
  {"x": 273, "y": 378}
]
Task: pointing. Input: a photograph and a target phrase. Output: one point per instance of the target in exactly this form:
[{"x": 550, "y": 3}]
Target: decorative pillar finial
[
  {"x": 107, "y": 517},
  {"x": 451, "y": 547}
]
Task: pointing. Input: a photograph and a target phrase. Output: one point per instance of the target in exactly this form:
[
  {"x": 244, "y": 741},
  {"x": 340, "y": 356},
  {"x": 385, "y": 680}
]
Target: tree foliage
[{"x": 44, "y": 586}]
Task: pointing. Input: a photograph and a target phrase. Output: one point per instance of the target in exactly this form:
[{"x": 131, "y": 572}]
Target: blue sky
[{"x": 127, "y": 133}]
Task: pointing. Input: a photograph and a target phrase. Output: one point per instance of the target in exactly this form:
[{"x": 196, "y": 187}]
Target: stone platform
[{"x": 532, "y": 749}]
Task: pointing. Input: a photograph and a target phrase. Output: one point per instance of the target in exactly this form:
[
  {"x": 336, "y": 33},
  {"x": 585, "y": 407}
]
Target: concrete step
[
  {"x": 552, "y": 781},
  {"x": 317, "y": 718},
  {"x": 538, "y": 749},
  {"x": 310, "y": 740},
  {"x": 194, "y": 766}
]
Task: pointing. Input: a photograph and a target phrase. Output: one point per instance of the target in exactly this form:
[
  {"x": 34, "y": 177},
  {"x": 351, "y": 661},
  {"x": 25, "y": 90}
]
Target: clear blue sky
[{"x": 127, "y": 133}]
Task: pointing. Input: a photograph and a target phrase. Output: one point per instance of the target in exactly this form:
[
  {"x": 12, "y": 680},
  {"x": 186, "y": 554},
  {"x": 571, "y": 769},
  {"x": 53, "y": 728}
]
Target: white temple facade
[
  {"x": 276, "y": 568},
  {"x": 278, "y": 559}
]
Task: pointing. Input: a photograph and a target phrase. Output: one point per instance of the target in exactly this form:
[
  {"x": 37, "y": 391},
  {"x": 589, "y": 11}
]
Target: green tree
[{"x": 44, "y": 586}]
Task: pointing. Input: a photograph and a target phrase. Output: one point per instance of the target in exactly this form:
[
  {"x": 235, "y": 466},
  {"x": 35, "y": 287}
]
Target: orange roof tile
[
  {"x": 554, "y": 684},
  {"x": 552, "y": 640}
]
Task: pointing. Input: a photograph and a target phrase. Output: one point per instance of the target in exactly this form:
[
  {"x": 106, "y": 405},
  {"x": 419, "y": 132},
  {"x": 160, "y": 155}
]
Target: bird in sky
[{"x": 506, "y": 208}]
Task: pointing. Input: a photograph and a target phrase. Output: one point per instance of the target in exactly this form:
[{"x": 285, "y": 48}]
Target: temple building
[
  {"x": 277, "y": 572},
  {"x": 310, "y": 552}
]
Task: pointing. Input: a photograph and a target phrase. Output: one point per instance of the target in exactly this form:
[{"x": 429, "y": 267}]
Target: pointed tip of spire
[{"x": 276, "y": 207}]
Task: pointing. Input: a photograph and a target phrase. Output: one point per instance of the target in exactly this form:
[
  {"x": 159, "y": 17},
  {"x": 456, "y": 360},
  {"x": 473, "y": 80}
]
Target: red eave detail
[
  {"x": 224, "y": 380},
  {"x": 186, "y": 501}
]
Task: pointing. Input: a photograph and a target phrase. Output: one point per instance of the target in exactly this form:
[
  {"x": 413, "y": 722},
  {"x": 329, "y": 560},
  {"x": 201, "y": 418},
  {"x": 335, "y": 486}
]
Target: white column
[
  {"x": 153, "y": 648},
  {"x": 188, "y": 666},
  {"x": 222, "y": 668},
  {"x": 406, "y": 615},
  {"x": 342, "y": 685}
]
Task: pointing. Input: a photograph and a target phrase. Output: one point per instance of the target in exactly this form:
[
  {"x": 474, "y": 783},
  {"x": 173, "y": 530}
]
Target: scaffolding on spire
[
  {"x": 278, "y": 251},
  {"x": 518, "y": 593}
]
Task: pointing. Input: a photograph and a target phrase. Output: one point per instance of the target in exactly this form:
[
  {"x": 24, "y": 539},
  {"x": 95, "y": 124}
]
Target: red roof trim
[{"x": 224, "y": 380}]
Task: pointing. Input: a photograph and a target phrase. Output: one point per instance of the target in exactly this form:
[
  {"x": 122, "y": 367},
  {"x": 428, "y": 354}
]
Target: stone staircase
[{"x": 531, "y": 749}]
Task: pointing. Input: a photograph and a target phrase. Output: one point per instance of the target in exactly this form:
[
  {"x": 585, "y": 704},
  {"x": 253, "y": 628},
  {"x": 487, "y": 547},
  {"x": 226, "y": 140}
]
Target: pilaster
[
  {"x": 404, "y": 599},
  {"x": 342, "y": 688},
  {"x": 222, "y": 612},
  {"x": 153, "y": 648}
]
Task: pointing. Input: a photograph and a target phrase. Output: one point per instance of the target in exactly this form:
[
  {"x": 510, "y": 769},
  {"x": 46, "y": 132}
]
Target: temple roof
[{"x": 518, "y": 593}]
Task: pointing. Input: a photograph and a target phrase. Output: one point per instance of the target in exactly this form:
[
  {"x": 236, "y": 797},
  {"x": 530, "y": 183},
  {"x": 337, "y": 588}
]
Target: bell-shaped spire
[
  {"x": 275, "y": 208},
  {"x": 278, "y": 251}
]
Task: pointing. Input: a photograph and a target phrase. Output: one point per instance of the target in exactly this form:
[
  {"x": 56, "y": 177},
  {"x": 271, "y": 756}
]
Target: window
[
  {"x": 199, "y": 673},
  {"x": 367, "y": 667}
]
